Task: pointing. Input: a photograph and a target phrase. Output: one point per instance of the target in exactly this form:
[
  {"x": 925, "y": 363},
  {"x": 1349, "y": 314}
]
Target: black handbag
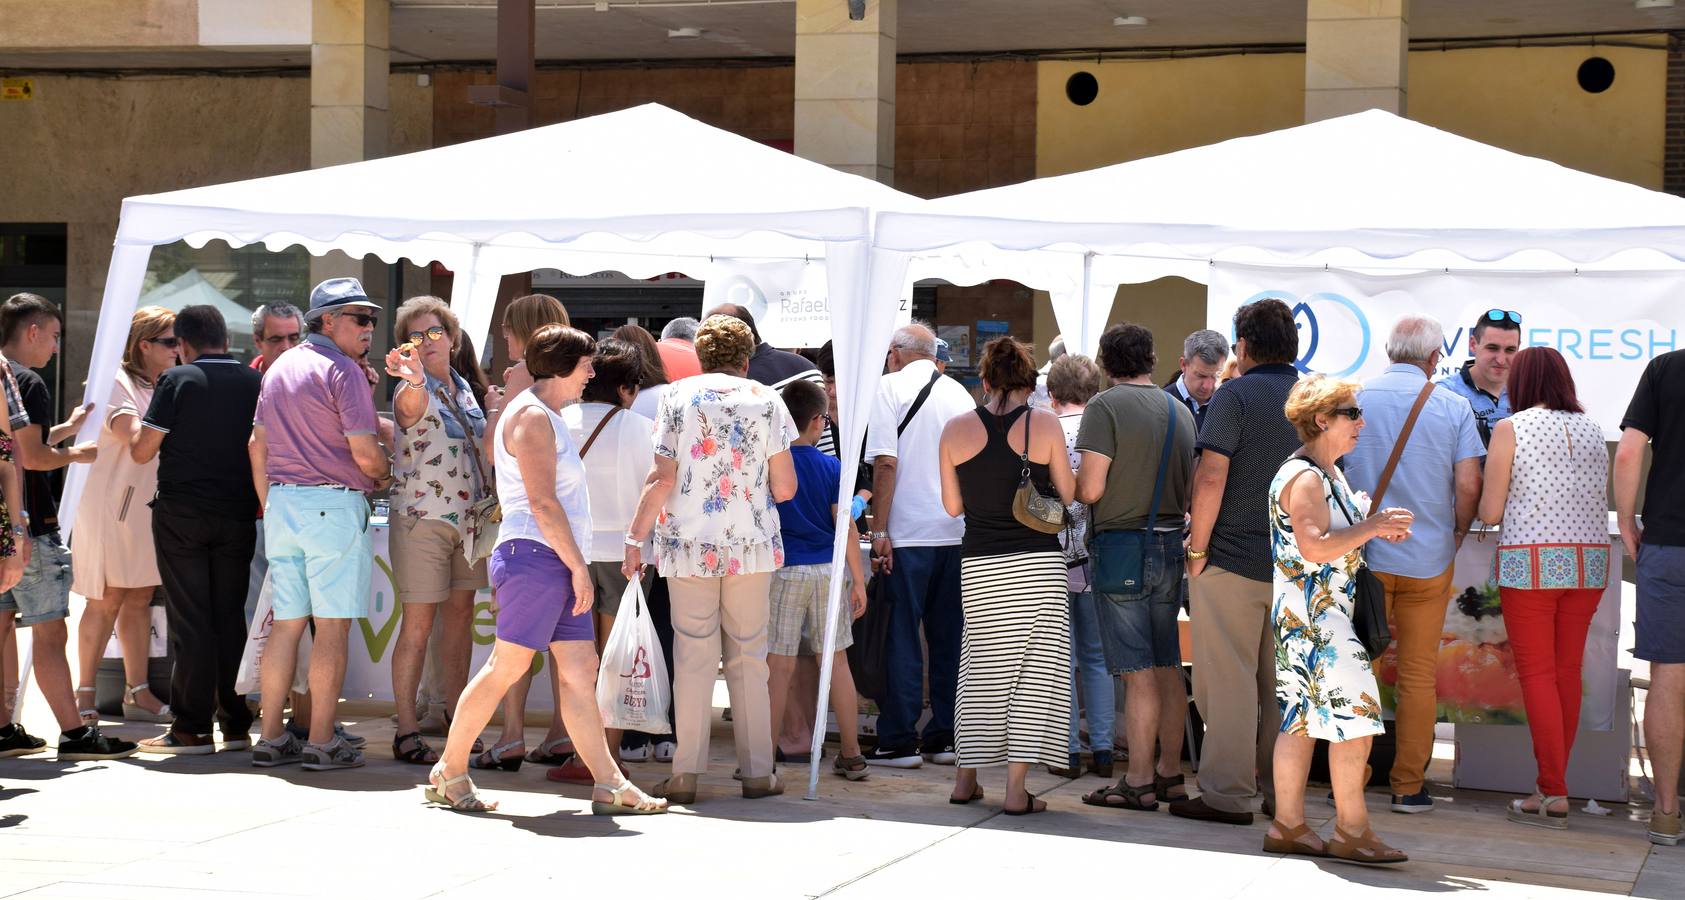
[
  {"x": 1120, "y": 557},
  {"x": 868, "y": 658},
  {"x": 1369, "y": 603}
]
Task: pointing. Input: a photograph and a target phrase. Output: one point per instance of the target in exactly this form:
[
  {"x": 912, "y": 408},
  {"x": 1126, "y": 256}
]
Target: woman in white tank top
[
  {"x": 1546, "y": 476},
  {"x": 539, "y": 571}
]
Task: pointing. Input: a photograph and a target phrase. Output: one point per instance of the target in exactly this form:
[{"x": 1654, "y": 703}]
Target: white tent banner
[
  {"x": 789, "y": 299},
  {"x": 1607, "y": 325}
]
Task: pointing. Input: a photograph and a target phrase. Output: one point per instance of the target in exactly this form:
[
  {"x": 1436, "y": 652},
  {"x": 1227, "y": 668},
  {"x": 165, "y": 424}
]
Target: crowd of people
[{"x": 1037, "y": 549}]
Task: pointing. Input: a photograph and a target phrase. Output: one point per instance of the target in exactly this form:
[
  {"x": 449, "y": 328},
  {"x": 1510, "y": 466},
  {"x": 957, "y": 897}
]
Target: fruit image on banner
[{"x": 1475, "y": 678}]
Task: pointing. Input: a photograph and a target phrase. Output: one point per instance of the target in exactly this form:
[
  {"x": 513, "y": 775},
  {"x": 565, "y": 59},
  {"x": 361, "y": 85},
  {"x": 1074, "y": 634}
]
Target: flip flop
[{"x": 976, "y": 794}]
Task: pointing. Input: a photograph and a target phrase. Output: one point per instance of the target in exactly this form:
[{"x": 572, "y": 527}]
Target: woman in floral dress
[
  {"x": 1324, "y": 683},
  {"x": 722, "y": 464}
]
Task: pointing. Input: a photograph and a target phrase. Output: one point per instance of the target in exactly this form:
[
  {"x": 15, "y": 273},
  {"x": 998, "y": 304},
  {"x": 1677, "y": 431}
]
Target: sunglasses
[
  {"x": 1502, "y": 315},
  {"x": 170, "y": 342},
  {"x": 1351, "y": 412},
  {"x": 363, "y": 320},
  {"x": 436, "y": 333},
  {"x": 293, "y": 339}
]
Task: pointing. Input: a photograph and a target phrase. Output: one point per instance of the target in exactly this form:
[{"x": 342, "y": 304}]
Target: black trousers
[{"x": 205, "y": 561}]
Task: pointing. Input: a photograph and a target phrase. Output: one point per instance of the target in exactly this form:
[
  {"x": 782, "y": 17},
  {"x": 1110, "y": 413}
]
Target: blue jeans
[
  {"x": 1088, "y": 656},
  {"x": 924, "y": 589}
]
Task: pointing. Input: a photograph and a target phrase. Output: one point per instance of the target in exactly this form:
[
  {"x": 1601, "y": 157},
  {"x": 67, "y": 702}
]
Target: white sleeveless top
[
  {"x": 518, "y": 521},
  {"x": 1558, "y": 484},
  {"x": 1556, "y": 518}
]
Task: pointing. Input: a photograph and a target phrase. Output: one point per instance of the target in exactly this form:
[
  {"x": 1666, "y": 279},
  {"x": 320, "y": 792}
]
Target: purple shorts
[{"x": 535, "y": 597}]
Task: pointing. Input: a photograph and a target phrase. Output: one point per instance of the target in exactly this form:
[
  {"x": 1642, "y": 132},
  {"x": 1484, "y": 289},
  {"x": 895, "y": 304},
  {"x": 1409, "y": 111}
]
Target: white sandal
[
  {"x": 1539, "y": 818},
  {"x": 616, "y": 808},
  {"x": 134, "y": 712},
  {"x": 439, "y": 793},
  {"x": 88, "y": 714}
]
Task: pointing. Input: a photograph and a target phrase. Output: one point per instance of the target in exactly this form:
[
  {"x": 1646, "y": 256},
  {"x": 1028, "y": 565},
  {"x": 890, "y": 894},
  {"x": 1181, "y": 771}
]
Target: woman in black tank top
[{"x": 1013, "y": 702}]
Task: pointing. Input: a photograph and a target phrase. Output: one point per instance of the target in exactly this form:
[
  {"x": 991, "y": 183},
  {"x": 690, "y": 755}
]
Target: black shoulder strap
[
  {"x": 1163, "y": 459},
  {"x": 917, "y": 402}
]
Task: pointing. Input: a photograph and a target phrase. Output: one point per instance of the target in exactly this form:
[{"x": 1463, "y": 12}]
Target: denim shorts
[
  {"x": 321, "y": 554},
  {"x": 1661, "y": 604},
  {"x": 43, "y": 594},
  {"x": 1138, "y": 631}
]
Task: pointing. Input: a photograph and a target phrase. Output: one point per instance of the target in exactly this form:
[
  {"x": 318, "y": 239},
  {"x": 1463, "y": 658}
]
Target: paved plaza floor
[{"x": 213, "y": 826}]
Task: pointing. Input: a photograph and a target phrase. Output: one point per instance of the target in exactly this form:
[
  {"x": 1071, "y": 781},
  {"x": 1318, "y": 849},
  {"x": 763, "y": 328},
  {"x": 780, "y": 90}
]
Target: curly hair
[
  {"x": 1268, "y": 330},
  {"x": 1073, "y": 379},
  {"x": 1006, "y": 366},
  {"x": 1126, "y": 351},
  {"x": 1317, "y": 395},
  {"x": 724, "y": 342}
]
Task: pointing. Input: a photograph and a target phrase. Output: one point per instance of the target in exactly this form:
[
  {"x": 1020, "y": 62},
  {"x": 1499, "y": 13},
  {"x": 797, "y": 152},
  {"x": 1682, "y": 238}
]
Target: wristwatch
[{"x": 880, "y": 535}]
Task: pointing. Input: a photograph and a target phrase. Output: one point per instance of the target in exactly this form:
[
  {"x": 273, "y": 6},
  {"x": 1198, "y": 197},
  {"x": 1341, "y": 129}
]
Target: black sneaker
[
  {"x": 1418, "y": 802},
  {"x": 91, "y": 743},
  {"x": 940, "y": 753},
  {"x": 894, "y": 757},
  {"x": 14, "y": 741}
]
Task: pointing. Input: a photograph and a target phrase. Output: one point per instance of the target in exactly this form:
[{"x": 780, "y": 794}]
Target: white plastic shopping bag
[
  {"x": 247, "y": 679},
  {"x": 632, "y": 686}
]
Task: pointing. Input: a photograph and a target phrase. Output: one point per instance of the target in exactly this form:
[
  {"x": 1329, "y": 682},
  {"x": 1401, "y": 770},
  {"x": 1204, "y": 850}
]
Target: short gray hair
[
  {"x": 683, "y": 328},
  {"x": 1207, "y": 346},
  {"x": 916, "y": 338},
  {"x": 1056, "y": 349},
  {"x": 1415, "y": 339},
  {"x": 276, "y": 310}
]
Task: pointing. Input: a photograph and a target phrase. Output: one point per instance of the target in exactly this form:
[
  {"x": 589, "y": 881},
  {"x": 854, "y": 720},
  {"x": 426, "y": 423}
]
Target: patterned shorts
[{"x": 799, "y": 595}]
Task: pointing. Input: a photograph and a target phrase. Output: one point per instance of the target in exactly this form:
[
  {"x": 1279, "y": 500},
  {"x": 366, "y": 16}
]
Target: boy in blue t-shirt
[{"x": 802, "y": 588}]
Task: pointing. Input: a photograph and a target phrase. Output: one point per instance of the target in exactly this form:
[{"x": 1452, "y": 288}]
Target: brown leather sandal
[
  {"x": 1365, "y": 849},
  {"x": 1293, "y": 841}
]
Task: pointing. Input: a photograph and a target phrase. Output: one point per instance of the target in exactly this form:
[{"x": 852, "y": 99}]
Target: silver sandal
[
  {"x": 1538, "y": 818},
  {"x": 439, "y": 793},
  {"x": 616, "y": 808},
  {"x": 134, "y": 712}
]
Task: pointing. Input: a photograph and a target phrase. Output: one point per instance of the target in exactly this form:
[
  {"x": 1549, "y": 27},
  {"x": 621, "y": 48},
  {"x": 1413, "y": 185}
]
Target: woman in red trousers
[{"x": 1546, "y": 477}]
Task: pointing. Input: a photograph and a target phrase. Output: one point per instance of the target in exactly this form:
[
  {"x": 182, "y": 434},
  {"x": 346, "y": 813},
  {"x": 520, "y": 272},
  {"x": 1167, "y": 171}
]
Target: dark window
[
  {"x": 1082, "y": 88},
  {"x": 1596, "y": 75}
]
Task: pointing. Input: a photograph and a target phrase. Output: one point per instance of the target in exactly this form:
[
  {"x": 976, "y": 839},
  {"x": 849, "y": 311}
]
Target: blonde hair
[
  {"x": 724, "y": 342},
  {"x": 1317, "y": 395},
  {"x": 148, "y": 323},
  {"x": 426, "y": 304},
  {"x": 526, "y": 315}
]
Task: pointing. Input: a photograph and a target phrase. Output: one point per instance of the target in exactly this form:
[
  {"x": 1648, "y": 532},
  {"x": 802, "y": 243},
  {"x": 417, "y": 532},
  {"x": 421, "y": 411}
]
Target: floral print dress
[
  {"x": 720, "y": 518},
  {"x": 1323, "y": 680}
]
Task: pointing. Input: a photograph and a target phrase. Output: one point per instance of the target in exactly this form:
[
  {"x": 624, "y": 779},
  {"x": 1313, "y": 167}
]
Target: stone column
[
  {"x": 349, "y": 63},
  {"x": 845, "y": 87},
  {"x": 1355, "y": 56}
]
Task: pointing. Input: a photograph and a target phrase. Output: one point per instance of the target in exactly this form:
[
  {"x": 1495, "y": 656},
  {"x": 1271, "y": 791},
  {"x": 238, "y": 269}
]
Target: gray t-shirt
[{"x": 1126, "y": 425}]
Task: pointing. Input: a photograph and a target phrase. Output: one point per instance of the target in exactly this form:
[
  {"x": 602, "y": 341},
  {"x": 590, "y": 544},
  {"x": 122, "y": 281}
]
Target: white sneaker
[
  {"x": 639, "y": 753},
  {"x": 664, "y": 751}
]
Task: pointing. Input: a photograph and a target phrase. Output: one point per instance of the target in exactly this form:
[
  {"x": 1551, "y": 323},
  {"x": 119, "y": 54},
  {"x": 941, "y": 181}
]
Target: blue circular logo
[{"x": 1331, "y": 327}]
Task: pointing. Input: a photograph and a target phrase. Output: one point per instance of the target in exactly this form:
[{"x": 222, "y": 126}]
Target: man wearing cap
[{"x": 315, "y": 456}]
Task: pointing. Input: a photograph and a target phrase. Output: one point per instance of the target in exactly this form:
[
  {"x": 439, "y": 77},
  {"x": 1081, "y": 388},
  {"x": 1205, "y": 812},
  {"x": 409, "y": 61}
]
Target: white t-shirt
[
  {"x": 616, "y": 467},
  {"x": 916, "y": 516},
  {"x": 646, "y": 404}
]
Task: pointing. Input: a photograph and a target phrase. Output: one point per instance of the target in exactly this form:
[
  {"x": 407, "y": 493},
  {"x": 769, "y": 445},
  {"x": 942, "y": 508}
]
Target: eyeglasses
[
  {"x": 436, "y": 333},
  {"x": 1351, "y": 412},
  {"x": 363, "y": 320},
  {"x": 293, "y": 339},
  {"x": 1502, "y": 315},
  {"x": 170, "y": 342}
]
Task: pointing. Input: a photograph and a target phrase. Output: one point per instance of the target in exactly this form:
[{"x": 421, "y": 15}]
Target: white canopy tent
[
  {"x": 1365, "y": 191},
  {"x": 643, "y": 191}
]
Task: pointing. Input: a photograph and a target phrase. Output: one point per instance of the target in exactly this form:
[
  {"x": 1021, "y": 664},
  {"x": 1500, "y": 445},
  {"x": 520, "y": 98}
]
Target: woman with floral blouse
[{"x": 722, "y": 464}]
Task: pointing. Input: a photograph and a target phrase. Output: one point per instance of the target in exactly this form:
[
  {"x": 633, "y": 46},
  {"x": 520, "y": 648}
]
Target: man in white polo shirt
[{"x": 919, "y": 551}]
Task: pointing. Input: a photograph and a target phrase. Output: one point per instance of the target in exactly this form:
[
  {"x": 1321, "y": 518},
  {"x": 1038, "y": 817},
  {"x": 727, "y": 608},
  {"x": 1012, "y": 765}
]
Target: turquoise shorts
[{"x": 320, "y": 551}]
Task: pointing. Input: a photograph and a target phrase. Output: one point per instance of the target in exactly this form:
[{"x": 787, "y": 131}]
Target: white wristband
[{"x": 634, "y": 542}]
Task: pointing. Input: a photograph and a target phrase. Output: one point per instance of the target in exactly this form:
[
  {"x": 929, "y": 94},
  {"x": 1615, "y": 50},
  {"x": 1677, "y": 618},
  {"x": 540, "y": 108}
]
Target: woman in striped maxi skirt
[{"x": 1013, "y": 704}]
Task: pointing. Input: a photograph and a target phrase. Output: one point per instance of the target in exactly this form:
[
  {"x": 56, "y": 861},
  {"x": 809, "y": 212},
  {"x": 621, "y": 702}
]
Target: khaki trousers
[
  {"x": 1416, "y": 609},
  {"x": 1234, "y": 686},
  {"x": 714, "y": 618}
]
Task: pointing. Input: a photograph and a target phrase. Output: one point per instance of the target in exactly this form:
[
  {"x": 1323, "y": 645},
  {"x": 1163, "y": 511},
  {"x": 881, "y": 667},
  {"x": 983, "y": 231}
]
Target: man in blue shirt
[
  {"x": 1437, "y": 479},
  {"x": 1484, "y": 380}
]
